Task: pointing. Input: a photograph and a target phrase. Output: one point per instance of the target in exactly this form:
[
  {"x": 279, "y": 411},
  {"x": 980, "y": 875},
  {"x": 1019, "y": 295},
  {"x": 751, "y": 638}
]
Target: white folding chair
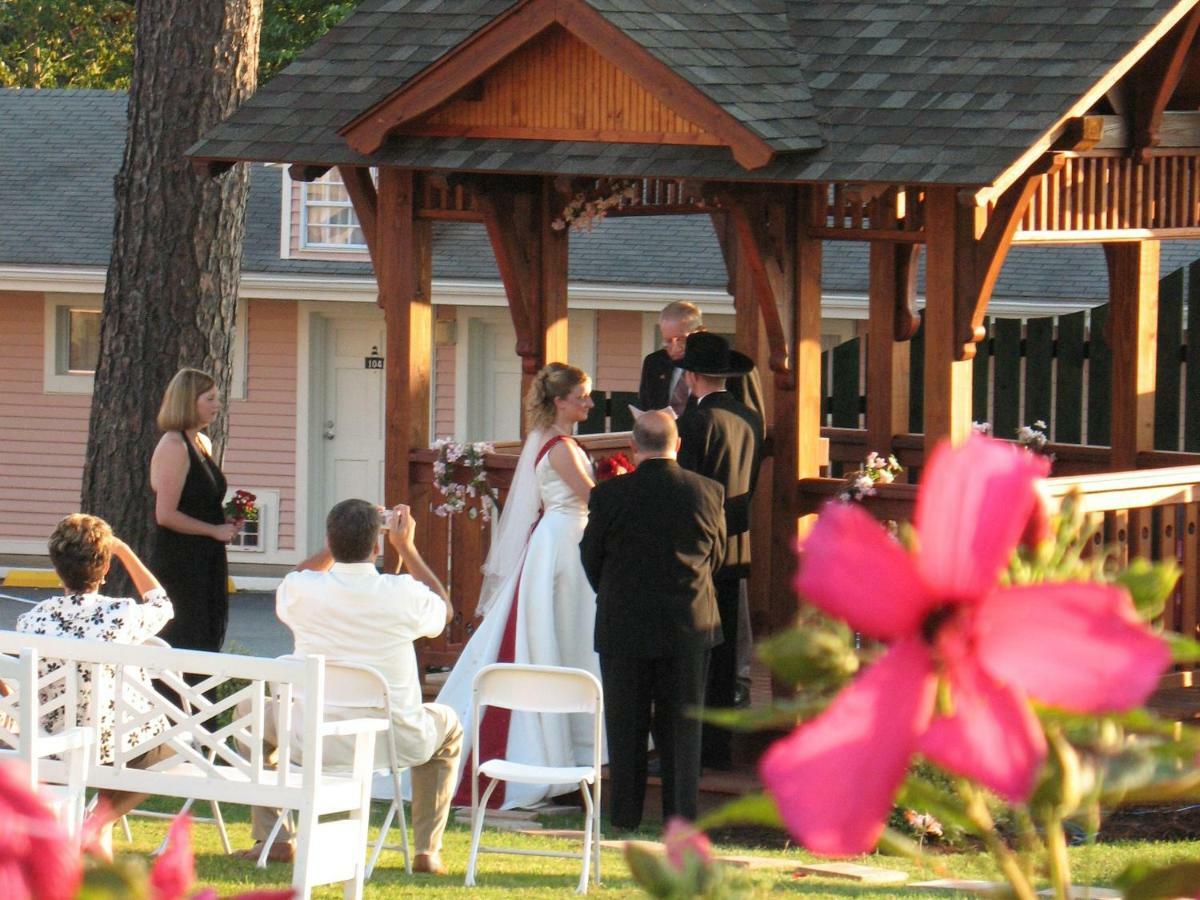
[
  {"x": 22, "y": 733},
  {"x": 215, "y": 819},
  {"x": 540, "y": 689},
  {"x": 354, "y": 685}
]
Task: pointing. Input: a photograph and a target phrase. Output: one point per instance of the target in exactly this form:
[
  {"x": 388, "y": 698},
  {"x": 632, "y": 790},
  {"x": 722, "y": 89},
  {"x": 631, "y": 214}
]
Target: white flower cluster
[
  {"x": 583, "y": 213},
  {"x": 1033, "y": 437},
  {"x": 982, "y": 427},
  {"x": 875, "y": 470},
  {"x": 456, "y": 494}
]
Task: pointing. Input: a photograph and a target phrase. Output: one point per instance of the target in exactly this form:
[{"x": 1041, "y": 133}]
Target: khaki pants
[{"x": 432, "y": 781}]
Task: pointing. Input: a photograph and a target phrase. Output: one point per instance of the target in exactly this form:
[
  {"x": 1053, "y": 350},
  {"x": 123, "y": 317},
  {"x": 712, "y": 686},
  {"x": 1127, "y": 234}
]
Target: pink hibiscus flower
[
  {"x": 1077, "y": 646},
  {"x": 37, "y": 861}
]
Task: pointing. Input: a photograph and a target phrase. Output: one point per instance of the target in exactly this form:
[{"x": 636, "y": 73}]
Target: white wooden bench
[{"x": 226, "y": 763}]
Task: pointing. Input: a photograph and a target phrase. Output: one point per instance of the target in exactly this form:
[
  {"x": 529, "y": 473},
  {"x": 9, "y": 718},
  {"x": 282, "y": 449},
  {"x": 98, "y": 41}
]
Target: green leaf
[
  {"x": 818, "y": 654},
  {"x": 750, "y": 809},
  {"x": 893, "y": 843},
  {"x": 783, "y": 715},
  {"x": 649, "y": 869},
  {"x": 1140, "y": 882},
  {"x": 123, "y": 879},
  {"x": 1149, "y": 584},
  {"x": 1183, "y": 649},
  {"x": 924, "y": 796}
]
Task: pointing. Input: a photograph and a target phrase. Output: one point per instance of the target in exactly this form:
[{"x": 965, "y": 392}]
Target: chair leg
[
  {"x": 403, "y": 822},
  {"x": 587, "y": 839},
  {"x": 125, "y": 828},
  {"x": 285, "y": 815},
  {"x": 477, "y": 830},
  {"x": 219, "y": 821},
  {"x": 596, "y": 836}
]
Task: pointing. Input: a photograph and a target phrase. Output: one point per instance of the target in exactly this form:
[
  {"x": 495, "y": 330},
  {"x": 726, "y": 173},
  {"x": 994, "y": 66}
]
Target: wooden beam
[
  {"x": 305, "y": 172},
  {"x": 532, "y": 259},
  {"x": 402, "y": 254},
  {"x": 1177, "y": 129},
  {"x": 760, "y": 220},
  {"x": 1155, "y": 78},
  {"x": 797, "y": 401},
  {"x": 982, "y": 241},
  {"x": 947, "y": 396},
  {"x": 1133, "y": 336},
  {"x": 212, "y": 168},
  {"x": 361, "y": 189},
  {"x": 891, "y": 322}
]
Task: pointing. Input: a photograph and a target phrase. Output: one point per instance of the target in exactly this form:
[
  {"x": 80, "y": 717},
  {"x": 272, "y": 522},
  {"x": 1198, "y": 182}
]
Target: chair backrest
[
  {"x": 352, "y": 684},
  {"x": 550, "y": 689},
  {"x": 18, "y": 715},
  {"x": 194, "y": 734}
]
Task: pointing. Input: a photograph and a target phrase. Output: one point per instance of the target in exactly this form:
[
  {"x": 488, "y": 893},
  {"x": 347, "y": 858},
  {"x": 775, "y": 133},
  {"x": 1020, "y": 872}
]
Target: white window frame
[
  {"x": 57, "y": 380},
  {"x": 303, "y": 242},
  {"x": 267, "y": 501}
]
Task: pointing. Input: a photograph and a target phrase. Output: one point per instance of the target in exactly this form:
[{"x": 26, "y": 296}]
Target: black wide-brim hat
[{"x": 710, "y": 354}]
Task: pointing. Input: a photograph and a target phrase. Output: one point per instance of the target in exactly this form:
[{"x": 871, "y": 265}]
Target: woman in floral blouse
[{"x": 81, "y": 549}]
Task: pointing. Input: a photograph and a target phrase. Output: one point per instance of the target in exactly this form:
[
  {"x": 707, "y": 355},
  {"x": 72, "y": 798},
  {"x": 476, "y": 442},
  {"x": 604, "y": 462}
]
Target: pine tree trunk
[{"x": 172, "y": 282}]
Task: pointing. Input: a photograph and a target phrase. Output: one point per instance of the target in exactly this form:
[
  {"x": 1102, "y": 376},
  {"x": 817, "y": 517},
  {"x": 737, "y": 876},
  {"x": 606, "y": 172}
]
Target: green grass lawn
[{"x": 532, "y": 877}]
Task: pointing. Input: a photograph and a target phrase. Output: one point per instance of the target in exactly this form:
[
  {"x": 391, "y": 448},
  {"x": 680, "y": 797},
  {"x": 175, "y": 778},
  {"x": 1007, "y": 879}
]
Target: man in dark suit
[
  {"x": 652, "y": 541},
  {"x": 722, "y": 440},
  {"x": 662, "y": 383}
]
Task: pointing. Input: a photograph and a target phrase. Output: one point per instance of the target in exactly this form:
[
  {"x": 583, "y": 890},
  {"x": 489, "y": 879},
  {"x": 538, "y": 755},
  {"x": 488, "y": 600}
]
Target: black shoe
[{"x": 741, "y": 695}]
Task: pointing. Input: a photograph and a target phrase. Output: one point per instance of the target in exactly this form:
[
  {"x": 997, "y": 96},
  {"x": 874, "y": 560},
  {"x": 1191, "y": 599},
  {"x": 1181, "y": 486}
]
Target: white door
[
  {"x": 352, "y": 415},
  {"x": 493, "y": 379}
]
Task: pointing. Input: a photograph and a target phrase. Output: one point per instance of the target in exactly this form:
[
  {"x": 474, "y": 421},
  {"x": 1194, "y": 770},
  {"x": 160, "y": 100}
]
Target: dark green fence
[{"x": 1053, "y": 368}]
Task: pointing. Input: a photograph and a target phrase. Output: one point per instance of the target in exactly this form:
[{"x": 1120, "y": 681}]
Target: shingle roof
[
  {"x": 928, "y": 91},
  {"x": 60, "y": 213}
]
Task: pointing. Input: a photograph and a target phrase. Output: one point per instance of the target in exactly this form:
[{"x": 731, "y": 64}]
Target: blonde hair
[
  {"x": 178, "y": 410},
  {"x": 80, "y": 550},
  {"x": 555, "y": 380}
]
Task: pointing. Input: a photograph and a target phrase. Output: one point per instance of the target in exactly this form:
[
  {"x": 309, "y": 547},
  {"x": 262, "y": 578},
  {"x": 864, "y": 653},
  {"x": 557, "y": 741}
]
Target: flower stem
[
  {"x": 1060, "y": 866},
  {"x": 1006, "y": 860}
]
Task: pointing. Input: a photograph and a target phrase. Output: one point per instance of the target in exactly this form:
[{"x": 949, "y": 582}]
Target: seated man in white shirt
[{"x": 337, "y": 604}]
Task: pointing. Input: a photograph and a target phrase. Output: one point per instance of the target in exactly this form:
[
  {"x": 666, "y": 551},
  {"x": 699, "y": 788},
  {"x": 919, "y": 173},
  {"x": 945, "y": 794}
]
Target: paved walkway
[{"x": 253, "y": 627}]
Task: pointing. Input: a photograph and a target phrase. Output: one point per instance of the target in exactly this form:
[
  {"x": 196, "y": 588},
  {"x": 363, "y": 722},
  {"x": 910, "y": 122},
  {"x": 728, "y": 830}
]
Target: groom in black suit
[
  {"x": 722, "y": 440},
  {"x": 653, "y": 539}
]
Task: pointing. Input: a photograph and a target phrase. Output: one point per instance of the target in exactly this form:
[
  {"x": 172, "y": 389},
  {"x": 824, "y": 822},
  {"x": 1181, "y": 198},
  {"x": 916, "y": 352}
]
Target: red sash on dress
[{"x": 493, "y": 727}]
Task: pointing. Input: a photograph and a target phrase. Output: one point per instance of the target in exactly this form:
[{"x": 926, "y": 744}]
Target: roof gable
[{"x": 548, "y": 64}]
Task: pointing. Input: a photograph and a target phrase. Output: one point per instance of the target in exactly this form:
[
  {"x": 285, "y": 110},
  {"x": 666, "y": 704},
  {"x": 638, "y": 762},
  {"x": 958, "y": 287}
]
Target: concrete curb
[{"x": 48, "y": 579}]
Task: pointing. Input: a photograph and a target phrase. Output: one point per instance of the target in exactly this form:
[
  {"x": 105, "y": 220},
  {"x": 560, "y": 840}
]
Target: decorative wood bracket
[
  {"x": 981, "y": 250},
  {"x": 212, "y": 168},
  {"x": 1154, "y": 80},
  {"x": 361, "y": 190},
  {"x": 760, "y": 221},
  {"x": 510, "y": 209},
  {"x": 304, "y": 172},
  {"x": 905, "y": 320}
]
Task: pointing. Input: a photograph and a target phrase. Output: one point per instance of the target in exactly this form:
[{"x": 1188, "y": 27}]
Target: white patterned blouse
[{"x": 95, "y": 617}]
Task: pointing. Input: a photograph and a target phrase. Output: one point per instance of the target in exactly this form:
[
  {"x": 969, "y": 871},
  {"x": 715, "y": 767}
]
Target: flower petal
[
  {"x": 1076, "y": 646},
  {"x": 992, "y": 736},
  {"x": 834, "y": 778},
  {"x": 853, "y": 569},
  {"x": 974, "y": 503}
]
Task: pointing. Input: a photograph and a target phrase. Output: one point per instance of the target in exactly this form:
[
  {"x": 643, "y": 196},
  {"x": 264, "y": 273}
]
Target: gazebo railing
[
  {"x": 1150, "y": 512},
  {"x": 1153, "y": 511}
]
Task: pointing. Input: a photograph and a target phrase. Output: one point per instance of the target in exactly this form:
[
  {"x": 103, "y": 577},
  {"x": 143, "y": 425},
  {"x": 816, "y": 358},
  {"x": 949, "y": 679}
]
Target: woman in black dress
[{"x": 189, "y": 488}]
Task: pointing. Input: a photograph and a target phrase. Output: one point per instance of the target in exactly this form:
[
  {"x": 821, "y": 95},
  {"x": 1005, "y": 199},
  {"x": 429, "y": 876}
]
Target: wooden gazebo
[{"x": 959, "y": 127}]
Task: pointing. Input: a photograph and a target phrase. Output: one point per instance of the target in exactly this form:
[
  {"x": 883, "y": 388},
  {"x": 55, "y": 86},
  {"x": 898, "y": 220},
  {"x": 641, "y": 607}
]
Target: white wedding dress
[{"x": 553, "y": 625}]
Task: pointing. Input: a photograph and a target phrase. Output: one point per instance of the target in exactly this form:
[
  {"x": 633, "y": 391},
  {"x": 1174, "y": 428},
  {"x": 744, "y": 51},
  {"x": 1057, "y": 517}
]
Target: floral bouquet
[
  {"x": 1002, "y": 649},
  {"x": 241, "y": 508},
  {"x": 612, "y": 466},
  {"x": 456, "y": 494},
  {"x": 1034, "y": 439},
  {"x": 875, "y": 470}
]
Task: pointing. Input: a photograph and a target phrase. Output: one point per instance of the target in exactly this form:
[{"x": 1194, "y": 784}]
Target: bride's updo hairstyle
[{"x": 555, "y": 380}]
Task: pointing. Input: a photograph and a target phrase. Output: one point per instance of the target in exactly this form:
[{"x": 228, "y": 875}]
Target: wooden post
[
  {"x": 1133, "y": 336},
  {"x": 552, "y": 298},
  {"x": 887, "y": 355},
  {"x": 797, "y": 406},
  {"x": 947, "y": 400},
  {"x": 403, "y": 268}
]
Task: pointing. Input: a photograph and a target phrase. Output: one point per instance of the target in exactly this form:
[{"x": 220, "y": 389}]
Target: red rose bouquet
[
  {"x": 612, "y": 466},
  {"x": 240, "y": 507}
]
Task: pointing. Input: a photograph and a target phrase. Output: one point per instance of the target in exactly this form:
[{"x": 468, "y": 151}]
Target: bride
[{"x": 536, "y": 601}]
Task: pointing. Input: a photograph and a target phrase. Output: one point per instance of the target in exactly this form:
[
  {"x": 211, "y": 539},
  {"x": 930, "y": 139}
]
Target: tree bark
[{"x": 171, "y": 291}]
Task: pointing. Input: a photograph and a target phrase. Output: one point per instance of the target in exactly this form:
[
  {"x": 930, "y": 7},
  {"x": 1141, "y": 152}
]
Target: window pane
[{"x": 83, "y": 326}]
